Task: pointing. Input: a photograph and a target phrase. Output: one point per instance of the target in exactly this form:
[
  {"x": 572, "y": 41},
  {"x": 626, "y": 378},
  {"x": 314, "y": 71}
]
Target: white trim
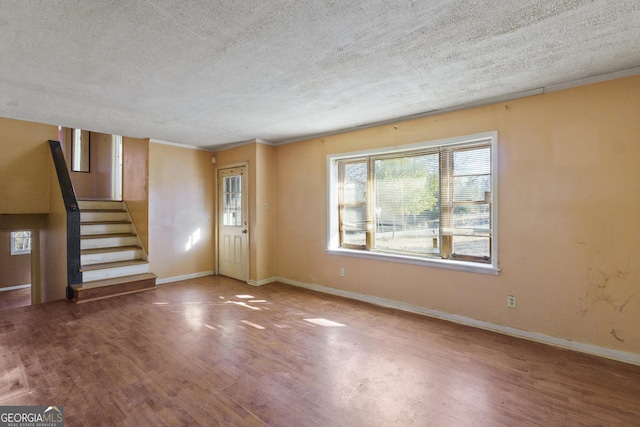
[
  {"x": 333, "y": 244},
  {"x": 184, "y": 277},
  {"x": 215, "y": 148},
  {"x": 262, "y": 282},
  {"x": 469, "y": 267},
  {"x": 591, "y": 80},
  {"x": 230, "y": 145},
  {"x": 178, "y": 144},
  {"x": 15, "y": 288},
  {"x": 622, "y": 356}
]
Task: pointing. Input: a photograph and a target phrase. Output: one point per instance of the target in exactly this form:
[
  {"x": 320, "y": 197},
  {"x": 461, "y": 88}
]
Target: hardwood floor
[
  {"x": 213, "y": 351},
  {"x": 15, "y": 298}
]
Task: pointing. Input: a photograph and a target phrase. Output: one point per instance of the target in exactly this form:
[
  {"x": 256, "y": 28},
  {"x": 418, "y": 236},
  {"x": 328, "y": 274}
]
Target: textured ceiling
[{"x": 208, "y": 73}]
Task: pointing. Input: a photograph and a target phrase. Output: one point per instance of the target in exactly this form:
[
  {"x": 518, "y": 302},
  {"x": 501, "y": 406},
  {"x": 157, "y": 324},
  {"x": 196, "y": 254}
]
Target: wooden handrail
[{"x": 74, "y": 275}]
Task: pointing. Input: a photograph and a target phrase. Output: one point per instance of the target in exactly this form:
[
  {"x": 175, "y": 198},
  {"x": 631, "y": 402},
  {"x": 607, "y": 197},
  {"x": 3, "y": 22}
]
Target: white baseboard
[
  {"x": 608, "y": 353},
  {"x": 183, "y": 277},
  {"x": 15, "y": 288},
  {"x": 262, "y": 282}
]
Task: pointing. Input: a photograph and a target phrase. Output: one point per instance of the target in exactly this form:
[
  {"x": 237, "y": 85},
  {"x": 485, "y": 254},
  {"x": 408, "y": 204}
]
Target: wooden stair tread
[
  {"x": 103, "y": 222},
  {"x": 105, "y": 265},
  {"x": 92, "y": 210},
  {"x": 113, "y": 281},
  {"x": 108, "y": 250},
  {"x": 107, "y": 235},
  {"x": 108, "y": 288}
]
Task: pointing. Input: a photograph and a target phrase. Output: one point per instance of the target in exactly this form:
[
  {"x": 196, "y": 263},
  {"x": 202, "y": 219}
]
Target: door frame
[
  {"x": 217, "y": 214},
  {"x": 117, "y": 167}
]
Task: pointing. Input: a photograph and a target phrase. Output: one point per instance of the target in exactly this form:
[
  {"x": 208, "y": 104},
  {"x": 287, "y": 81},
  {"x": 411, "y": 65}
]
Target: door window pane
[{"x": 232, "y": 209}]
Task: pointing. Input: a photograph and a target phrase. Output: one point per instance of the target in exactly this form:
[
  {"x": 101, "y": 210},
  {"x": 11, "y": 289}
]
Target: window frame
[
  {"x": 461, "y": 264},
  {"x": 13, "y": 243}
]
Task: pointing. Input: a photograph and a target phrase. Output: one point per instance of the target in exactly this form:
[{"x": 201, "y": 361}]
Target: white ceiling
[{"x": 208, "y": 73}]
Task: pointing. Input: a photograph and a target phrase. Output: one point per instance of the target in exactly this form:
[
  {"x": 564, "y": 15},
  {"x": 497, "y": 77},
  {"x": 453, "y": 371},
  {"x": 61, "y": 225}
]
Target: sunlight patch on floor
[
  {"x": 243, "y": 304},
  {"x": 254, "y": 325},
  {"x": 324, "y": 322}
]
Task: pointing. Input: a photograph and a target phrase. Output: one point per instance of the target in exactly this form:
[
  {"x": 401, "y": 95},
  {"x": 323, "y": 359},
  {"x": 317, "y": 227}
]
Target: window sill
[{"x": 469, "y": 267}]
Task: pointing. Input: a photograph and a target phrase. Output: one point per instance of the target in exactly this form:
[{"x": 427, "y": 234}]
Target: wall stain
[
  {"x": 603, "y": 295},
  {"x": 613, "y": 332}
]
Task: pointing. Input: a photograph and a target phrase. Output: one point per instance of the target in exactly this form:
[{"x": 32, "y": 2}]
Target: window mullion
[
  {"x": 446, "y": 202},
  {"x": 341, "y": 202},
  {"x": 370, "y": 198}
]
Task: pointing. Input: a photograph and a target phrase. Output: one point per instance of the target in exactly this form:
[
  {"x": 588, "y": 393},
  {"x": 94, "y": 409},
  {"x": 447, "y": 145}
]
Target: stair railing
[{"x": 74, "y": 275}]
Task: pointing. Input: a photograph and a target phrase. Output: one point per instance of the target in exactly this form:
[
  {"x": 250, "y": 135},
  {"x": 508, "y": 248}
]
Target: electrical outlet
[
  {"x": 342, "y": 272},
  {"x": 511, "y": 301}
]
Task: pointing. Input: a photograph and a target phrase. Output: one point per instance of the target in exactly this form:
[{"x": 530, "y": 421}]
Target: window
[
  {"x": 431, "y": 203},
  {"x": 80, "y": 146},
  {"x": 20, "y": 242},
  {"x": 232, "y": 199}
]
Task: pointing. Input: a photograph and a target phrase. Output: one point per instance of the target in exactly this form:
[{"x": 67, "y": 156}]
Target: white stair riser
[
  {"x": 109, "y": 273},
  {"x": 89, "y": 229},
  {"x": 97, "y": 218},
  {"x": 107, "y": 242},
  {"x": 103, "y": 216},
  {"x": 111, "y": 256},
  {"x": 100, "y": 204}
]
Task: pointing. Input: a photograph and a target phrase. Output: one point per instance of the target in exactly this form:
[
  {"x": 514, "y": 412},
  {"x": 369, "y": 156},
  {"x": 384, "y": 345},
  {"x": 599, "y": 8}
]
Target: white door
[{"x": 233, "y": 229}]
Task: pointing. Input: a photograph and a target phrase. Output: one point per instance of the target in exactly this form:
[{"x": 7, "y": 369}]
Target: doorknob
[{"x": 244, "y": 231}]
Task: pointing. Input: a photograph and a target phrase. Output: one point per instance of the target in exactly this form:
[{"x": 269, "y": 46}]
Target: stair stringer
[{"x": 145, "y": 255}]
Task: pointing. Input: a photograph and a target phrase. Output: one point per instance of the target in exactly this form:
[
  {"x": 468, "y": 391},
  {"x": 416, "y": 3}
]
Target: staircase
[{"x": 112, "y": 259}]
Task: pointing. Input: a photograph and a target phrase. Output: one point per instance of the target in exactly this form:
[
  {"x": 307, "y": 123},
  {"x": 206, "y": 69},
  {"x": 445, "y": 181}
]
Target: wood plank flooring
[
  {"x": 15, "y": 298},
  {"x": 213, "y": 351}
]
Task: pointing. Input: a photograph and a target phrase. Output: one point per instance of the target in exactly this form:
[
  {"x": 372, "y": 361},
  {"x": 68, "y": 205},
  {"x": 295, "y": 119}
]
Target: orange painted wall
[
  {"x": 52, "y": 254},
  {"x": 569, "y": 180},
  {"x": 29, "y": 186},
  {"x": 135, "y": 184},
  {"x": 266, "y": 213},
  {"x": 24, "y": 166},
  {"x": 181, "y": 207}
]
